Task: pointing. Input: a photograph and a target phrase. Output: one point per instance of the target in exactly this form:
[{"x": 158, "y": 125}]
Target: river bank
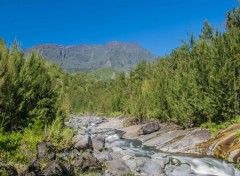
[
  {"x": 147, "y": 149},
  {"x": 102, "y": 146}
]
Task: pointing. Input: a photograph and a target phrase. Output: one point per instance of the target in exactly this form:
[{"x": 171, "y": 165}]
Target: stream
[
  {"x": 202, "y": 166},
  {"x": 147, "y": 160}
]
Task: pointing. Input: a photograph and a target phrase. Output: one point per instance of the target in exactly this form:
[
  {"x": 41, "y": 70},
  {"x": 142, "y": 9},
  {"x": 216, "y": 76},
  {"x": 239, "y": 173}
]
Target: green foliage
[
  {"x": 216, "y": 127},
  {"x": 31, "y": 99},
  {"x": 60, "y": 137},
  {"x": 115, "y": 114},
  {"x": 198, "y": 82},
  {"x": 27, "y": 90},
  {"x": 104, "y": 74},
  {"x": 233, "y": 18}
]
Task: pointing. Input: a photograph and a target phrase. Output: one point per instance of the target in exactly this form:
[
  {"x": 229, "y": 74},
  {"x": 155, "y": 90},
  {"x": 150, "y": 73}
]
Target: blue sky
[{"x": 157, "y": 25}]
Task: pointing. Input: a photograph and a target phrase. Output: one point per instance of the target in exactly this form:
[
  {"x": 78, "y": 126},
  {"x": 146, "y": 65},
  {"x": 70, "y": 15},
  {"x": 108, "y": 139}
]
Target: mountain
[{"x": 121, "y": 56}]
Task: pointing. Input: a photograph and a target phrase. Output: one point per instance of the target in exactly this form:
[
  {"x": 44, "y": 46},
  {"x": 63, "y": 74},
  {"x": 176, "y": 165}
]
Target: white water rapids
[{"x": 202, "y": 166}]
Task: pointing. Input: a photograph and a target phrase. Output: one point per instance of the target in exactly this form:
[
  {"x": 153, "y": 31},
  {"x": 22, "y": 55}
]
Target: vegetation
[
  {"x": 198, "y": 82},
  {"x": 32, "y": 105}
]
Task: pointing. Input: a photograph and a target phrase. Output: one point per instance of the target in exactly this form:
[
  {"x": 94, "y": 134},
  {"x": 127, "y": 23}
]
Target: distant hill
[{"x": 121, "y": 56}]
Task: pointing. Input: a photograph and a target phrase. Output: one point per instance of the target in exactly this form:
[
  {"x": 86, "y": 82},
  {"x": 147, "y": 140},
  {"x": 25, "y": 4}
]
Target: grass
[{"x": 216, "y": 127}]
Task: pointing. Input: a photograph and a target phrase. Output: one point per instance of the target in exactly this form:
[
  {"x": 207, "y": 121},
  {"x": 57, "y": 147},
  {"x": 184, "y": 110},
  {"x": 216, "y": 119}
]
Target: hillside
[{"x": 119, "y": 55}]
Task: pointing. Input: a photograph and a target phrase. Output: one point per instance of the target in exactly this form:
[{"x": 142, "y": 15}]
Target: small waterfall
[
  {"x": 202, "y": 166},
  {"x": 209, "y": 166}
]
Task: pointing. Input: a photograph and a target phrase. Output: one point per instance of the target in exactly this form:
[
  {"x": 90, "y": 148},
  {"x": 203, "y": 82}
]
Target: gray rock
[
  {"x": 116, "y": 155},
  {"x": 98, "y": 142},
  {"x": 168, "y": 169},
  {"x": 45, "y": 149},
  {"x": 83, "y": 142},
  {"x": 184, "y": 169},
  {"x": 152, "y": 168},
  {"x": 112, "y": 138},
  {"x": 102, "y": 156},
  {"x": 132, "y": 164},
  {"x": 150, "y": 127},
  {"x": 140, "y": 161},
  {"x": 159, "y": 155},
  {"x": 86, "y": 162},
  {"x": 54, "y": 169},
  {"x": 118, "y": 168}
]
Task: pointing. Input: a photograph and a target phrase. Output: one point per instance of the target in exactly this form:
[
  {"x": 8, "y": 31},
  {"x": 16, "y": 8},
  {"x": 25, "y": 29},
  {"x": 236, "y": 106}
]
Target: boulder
[
  {"x": 53, "y": 168},
  {"x": 102, "y": 156},
  {"x": 112, "y": 138},
  {"x": 98, "y": 142},
  {"x": 33, "y": 169},
  {"x": 118, "y": 168},
  {"x": 150, "y": 127},
  {"x": 46, "y": 150},
  {"x": 83, "y": 142},
  {"x": 152, "y": 168},
  {"x": 184, "y": 169},
  {"x": 86, "y": 162}
]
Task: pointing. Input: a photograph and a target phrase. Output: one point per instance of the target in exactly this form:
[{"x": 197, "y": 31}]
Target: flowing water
[{"x": 202, "y": 166}]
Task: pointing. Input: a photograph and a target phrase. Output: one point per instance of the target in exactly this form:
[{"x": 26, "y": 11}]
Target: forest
[{"x": 198, "y": 82}]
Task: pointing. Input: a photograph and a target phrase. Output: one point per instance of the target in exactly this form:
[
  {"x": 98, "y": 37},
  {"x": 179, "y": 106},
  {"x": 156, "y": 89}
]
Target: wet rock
[
  {"x": 150, "y": 127},
  {"x": 234, "y": 156},
  {"x": 159, "y": 155},
  {"x": 98, "y": 142},
  {"x": 168, "y": 169},
  {"x": 112, "y": 138},
  {"x": 45, "y": 149},
  {"x": 184, "y": 169},
  {"x": 118, "y": 168}
]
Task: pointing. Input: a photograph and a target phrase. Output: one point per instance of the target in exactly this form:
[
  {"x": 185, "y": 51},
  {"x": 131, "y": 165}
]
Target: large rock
[
  {"x": 132, "y": 132},
  {"x": 152, "y": 168},
  {"x": 86, "y": 162},
  {"x": 118, "y": 168},
  {"x": 53, "y": 168},
  {"x": 83, "y": 142},
  {"x": 150, "y": 127},
  {"x": 112, "y": 138},
  {"x": 184, "y": 169},
  {"x": 45, "y": 150},
  {"x": 33, "y": 169},
  {"x": 102, "y": 156},
  {"x": 98, "y": 142}
]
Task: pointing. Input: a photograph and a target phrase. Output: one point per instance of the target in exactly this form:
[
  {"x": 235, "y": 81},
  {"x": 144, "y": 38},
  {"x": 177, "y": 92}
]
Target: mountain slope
[{"x": 119, "y": 55}]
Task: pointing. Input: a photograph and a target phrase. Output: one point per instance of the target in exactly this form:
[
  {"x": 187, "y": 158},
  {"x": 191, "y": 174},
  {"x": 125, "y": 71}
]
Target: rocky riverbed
[{"x": 102, "y": 146}]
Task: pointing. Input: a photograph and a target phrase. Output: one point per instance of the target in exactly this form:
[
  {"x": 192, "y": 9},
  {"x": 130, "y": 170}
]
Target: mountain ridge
[{"x": 122, "y": 56}]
